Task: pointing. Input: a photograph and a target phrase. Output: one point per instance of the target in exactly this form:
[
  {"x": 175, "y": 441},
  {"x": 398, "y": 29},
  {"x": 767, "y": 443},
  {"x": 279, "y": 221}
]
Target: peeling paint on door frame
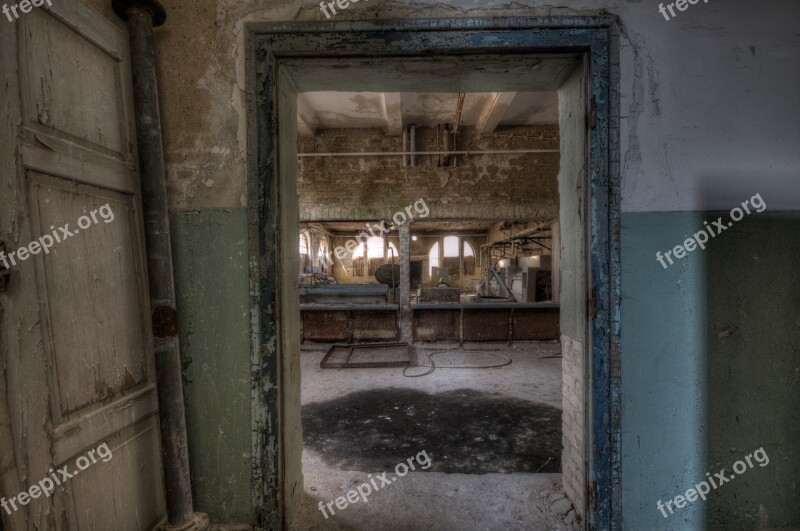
[{"x": 270, "y": 43}]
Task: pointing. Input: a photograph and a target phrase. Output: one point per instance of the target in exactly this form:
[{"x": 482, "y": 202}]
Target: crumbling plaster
[{"x": 680, "y": 125}]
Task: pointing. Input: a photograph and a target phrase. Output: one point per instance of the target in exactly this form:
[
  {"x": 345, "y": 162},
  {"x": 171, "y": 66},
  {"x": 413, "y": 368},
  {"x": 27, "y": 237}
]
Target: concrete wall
[
  {"x": 572, "y": 189},
  {"x": 707, "y": 99}
]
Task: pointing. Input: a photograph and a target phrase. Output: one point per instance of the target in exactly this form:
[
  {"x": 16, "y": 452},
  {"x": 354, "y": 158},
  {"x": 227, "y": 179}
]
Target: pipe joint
[{"x": 151, "y": 7}]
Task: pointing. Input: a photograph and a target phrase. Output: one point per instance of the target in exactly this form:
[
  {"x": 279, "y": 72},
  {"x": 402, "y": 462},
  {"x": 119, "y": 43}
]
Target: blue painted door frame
[{"x": 597, "y": 38}]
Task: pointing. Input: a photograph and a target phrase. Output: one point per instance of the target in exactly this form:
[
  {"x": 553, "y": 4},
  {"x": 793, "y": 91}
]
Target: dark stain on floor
[{"x": 463, "y": 431}]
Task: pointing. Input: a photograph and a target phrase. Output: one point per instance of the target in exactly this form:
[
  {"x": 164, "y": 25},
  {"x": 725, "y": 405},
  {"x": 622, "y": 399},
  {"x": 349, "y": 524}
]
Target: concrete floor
[{"x": 486, "y": 432}]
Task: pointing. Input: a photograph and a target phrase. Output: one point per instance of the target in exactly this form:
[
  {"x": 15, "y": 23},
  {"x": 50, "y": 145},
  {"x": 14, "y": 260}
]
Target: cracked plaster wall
[{"x": 708, "y": 95}]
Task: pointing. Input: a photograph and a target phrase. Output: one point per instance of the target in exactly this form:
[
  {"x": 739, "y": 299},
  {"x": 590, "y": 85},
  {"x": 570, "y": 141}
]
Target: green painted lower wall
[
  {"x": 211, "y": 276},
  {"x": 711, "y": 370}
]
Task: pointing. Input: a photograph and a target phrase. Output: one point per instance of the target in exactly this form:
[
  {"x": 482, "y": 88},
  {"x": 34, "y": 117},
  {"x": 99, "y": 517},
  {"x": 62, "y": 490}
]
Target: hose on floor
[{"x": 433, "y": 364}]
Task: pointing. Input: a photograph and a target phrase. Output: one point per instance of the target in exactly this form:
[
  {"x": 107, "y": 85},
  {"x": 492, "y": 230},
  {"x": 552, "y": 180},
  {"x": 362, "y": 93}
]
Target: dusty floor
[{"x": 484, "y": 432}]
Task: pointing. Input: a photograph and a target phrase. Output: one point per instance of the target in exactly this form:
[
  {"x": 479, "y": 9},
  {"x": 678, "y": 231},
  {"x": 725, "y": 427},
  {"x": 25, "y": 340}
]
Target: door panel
[
  {"x": 71, "y": 84},
  {"x": 120, "y": 496},
  {"x": 76, "y": 350},
  {"x": 88, "y": 327}
]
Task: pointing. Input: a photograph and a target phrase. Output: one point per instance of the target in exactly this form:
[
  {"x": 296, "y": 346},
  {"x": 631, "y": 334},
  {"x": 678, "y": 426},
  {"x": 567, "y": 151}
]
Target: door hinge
[
  {"x": 5, "y": 272},
  {"x": 592, "y": 119}
]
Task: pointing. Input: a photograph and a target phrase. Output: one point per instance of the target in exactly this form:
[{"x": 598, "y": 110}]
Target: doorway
[{"x": 448, "y": 56}]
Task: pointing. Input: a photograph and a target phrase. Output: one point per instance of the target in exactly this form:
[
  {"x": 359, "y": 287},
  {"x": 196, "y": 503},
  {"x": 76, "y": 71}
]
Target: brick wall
[
  {"x": 497, "y": 186},
  {"x": 573, "y": 422}
]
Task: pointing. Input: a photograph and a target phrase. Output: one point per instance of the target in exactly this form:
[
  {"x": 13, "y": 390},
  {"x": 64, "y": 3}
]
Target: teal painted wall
[
  {"x": 211, "y": 276},
  {"x": 710, "y": 370}
]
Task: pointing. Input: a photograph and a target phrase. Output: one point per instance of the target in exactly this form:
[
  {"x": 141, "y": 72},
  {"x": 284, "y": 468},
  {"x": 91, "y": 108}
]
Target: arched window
[
  {"x": 368, "y": 258},
  {"x": 304, "y": 243},
  {"x": 305, "y": 246},
  {"x": 451, "y": 254},
  {"x": 433, "y": 259},
  {"x": 323, "y": 253},
  {"x": 469, "y": 259}
]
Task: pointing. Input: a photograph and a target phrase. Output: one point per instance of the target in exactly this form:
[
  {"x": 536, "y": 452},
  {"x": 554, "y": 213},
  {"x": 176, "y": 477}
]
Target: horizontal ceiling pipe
[
  {"x": 542, "y": 225},
  {"x": 404, "y": 153}
]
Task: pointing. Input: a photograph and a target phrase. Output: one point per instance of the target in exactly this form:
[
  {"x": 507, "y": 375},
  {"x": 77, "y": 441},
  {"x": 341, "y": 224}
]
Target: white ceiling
[{"x": 391, "y": 111}]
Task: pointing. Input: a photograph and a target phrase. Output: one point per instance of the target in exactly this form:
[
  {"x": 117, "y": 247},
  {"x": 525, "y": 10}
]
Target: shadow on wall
[
  {"x": 752, "y": 325},
  {"x": 464, "y": 431}
]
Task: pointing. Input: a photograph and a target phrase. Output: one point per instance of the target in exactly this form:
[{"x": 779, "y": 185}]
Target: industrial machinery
[{"x": 493, "y": 286}]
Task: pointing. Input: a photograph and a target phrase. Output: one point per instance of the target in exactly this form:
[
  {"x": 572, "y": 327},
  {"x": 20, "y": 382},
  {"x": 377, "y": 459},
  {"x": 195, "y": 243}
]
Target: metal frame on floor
[{"x": 347, "y": 364}]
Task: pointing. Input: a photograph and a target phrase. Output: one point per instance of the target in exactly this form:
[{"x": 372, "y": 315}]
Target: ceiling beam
[
  {"x": 307, "y": 123},
  {"x": 494, "y": 111},
  {"x": 393, "y": 109}
]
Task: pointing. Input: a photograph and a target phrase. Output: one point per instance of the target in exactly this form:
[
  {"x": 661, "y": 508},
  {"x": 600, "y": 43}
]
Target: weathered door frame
[{"x": 267, "y": 45}]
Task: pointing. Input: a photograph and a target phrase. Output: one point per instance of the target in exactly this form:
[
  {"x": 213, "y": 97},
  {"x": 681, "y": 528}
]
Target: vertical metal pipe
[
  {"x": 394, "y": 288},
  {"x": 454, "y": 144},
  {"x": 405, "y": 148},
  {"x": 142, "y": 16},
  {"x": 438, "y": 146},
  {"x": 448, "y": 145},
  {"x": 456, "y": 124},
  {"x": 412, "y": 141}
]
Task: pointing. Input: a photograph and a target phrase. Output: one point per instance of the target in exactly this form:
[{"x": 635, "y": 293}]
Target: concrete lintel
[
  {"x": 307, "y": 123},
  {"x": 495, "y": 111},
  {"x": 393, "y": 110}
]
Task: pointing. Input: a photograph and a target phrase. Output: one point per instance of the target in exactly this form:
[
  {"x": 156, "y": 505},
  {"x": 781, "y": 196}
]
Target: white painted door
[{"x": 77, "y": 384}]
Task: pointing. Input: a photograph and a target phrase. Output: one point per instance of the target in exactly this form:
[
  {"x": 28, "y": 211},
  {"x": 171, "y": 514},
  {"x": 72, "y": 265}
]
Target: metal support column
[{"x": 405, "y": 283}]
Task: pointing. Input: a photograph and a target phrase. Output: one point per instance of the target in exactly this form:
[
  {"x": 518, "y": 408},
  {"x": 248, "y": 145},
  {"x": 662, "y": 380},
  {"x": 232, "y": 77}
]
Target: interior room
[
  {"x": 434, "y": 325},
  {"x": 439, "y": 265}
]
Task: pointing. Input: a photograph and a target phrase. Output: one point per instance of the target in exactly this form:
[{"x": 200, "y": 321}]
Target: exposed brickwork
[
  {"x": 573, "y": 467},
  {"x": 497, "y": 186}
]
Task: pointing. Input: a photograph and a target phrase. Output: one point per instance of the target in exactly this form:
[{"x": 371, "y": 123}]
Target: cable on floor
[{"x": 433, "y": 364}]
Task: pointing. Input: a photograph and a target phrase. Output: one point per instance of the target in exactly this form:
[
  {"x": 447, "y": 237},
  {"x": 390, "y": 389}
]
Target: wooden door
[{"x": 77, "y": 383}]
